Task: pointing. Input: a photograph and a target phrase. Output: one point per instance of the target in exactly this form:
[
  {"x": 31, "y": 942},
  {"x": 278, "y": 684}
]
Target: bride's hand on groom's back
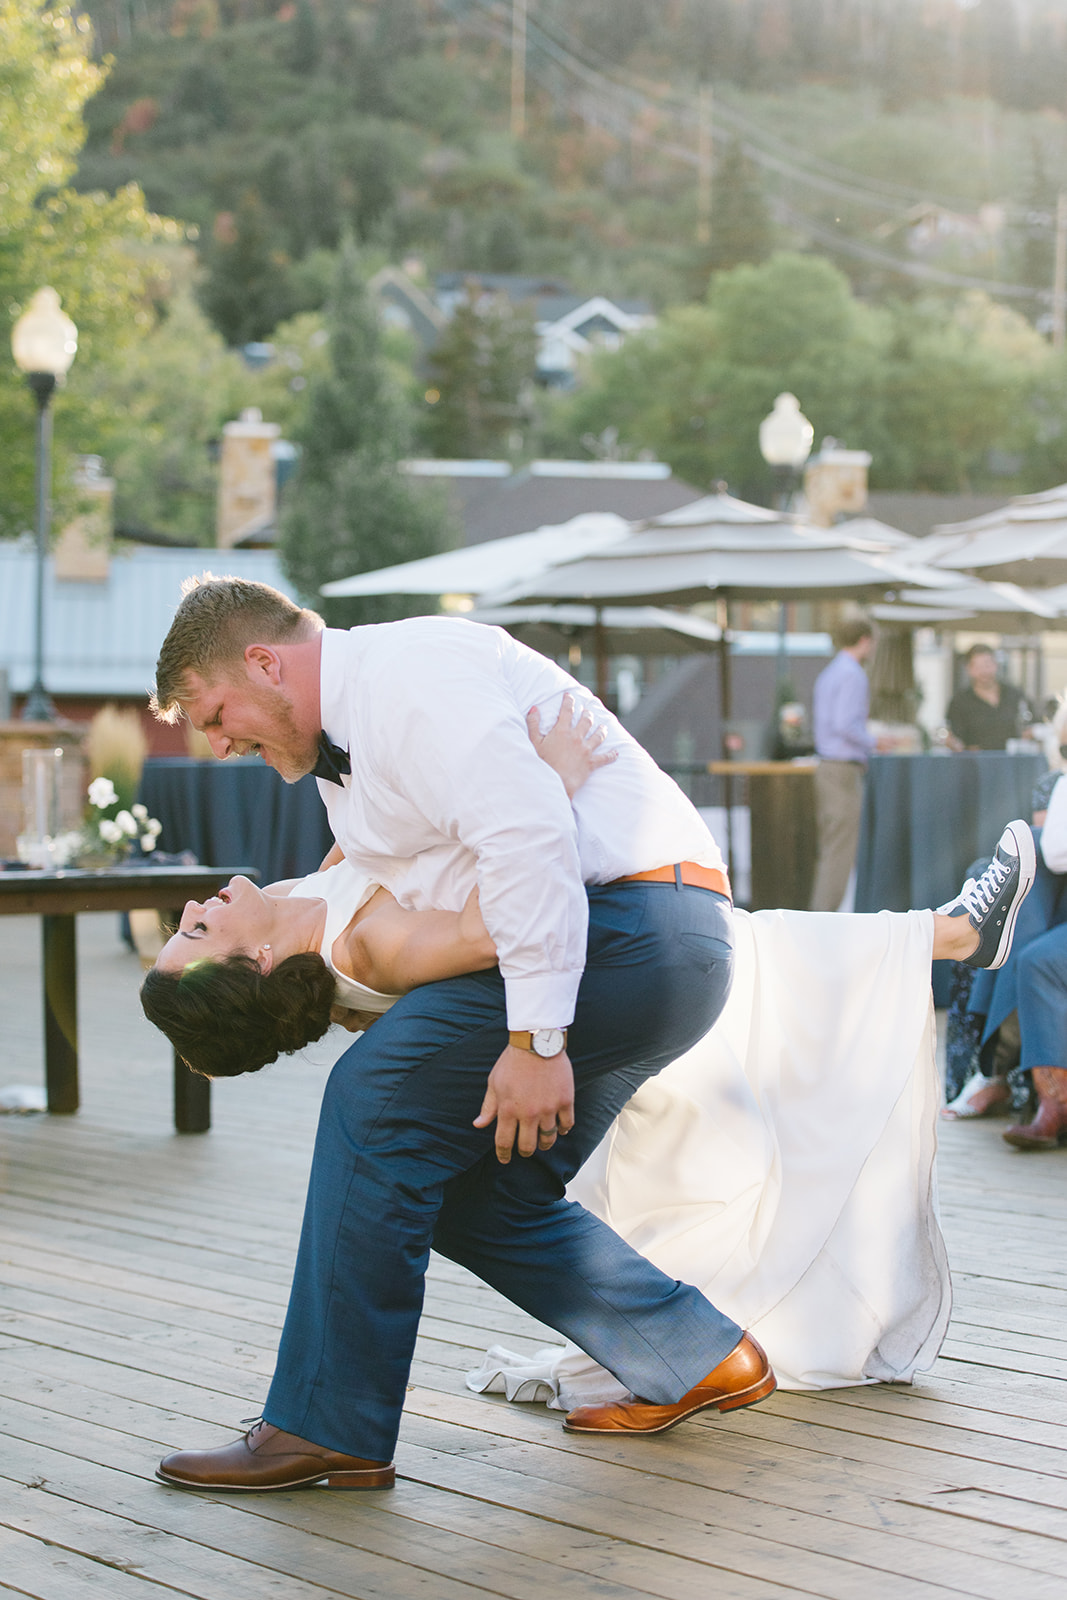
[
  {"x": 530, "y": 1099},
  {"x": 573, "y": 749}
]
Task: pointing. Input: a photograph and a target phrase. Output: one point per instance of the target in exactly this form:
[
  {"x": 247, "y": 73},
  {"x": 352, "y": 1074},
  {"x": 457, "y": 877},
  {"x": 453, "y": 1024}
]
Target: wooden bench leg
[
  {"x": 58, "y": 966},
  {"x": 192, "y": 1099}
]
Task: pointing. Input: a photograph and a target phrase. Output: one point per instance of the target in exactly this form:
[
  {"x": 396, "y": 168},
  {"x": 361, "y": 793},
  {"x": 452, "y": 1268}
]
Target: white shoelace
[{"x": 979, "y": 897}]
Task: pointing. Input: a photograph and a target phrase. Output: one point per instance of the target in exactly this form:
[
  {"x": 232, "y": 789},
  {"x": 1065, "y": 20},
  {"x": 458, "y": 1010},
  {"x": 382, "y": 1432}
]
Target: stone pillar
[
  {"x": 835, "y": 483},
  {"x": 15, "y": 737},
  {"x": 247, "y": 499},
  {"x": 83, "y": 549}
]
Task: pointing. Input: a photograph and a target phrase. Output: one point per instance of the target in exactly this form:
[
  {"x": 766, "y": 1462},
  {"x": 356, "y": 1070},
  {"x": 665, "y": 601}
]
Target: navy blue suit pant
[{"x": 398, "y": 1167}]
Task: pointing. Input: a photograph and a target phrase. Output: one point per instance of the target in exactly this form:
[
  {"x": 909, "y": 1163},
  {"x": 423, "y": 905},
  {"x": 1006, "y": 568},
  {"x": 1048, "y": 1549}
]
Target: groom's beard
[{"x": 283, "y": 744}]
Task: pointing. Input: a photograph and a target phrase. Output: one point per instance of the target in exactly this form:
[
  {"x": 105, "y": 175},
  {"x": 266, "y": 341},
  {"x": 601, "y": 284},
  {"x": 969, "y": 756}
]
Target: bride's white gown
[{"x": 785, "y": 1164}]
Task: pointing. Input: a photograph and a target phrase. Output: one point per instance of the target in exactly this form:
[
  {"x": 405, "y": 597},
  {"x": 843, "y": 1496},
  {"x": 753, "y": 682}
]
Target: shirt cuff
[{"x": 542, "y": 1000}]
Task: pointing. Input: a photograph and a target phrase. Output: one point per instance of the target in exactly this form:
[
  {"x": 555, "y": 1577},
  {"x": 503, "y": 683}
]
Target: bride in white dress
[{"x": 784, "y": 1165}]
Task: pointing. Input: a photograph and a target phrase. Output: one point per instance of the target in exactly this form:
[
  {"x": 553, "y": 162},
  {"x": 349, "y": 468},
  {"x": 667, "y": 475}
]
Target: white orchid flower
[
  {"x": 127, "y": 824},
  {"x": 102, "y": 793},
  {"x": 65, "y": 848},
  {"x": 140, "y": 812},
  {"x": 110, "y": 831}
]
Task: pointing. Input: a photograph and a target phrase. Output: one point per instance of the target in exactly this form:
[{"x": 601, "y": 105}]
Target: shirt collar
[{"x": 332, "y": 678}]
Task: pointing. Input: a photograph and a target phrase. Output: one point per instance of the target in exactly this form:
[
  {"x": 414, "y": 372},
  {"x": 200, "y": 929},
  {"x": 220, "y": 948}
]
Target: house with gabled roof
[{"x": 569, "y": 326}]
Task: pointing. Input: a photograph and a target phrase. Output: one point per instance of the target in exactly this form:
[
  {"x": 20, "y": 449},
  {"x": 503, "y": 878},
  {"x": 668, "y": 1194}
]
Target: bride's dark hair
[{"x": 226, "y": 1017}]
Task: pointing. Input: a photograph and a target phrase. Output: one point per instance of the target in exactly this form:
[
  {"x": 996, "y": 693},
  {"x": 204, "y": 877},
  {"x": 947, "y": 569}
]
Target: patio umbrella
[
  {"x": 998, "y": 606},
  {"x": 474, "y": 569},
  {"x": 723, "y": 522},
  {"x": 633, "y": 630},
  {"x": 722, "y": 548},
  {"x": 875, "y": 531},
  {"x": 654, "y": 566},
  {"x": 1025, "y": 542},
  {"x": 717, "y": 547}
]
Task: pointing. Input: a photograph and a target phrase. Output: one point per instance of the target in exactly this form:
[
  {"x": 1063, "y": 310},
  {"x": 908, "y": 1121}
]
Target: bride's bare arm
[{"x": 392, "y": 950}]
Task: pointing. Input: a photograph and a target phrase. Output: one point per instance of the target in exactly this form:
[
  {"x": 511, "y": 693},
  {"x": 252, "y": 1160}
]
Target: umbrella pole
[
  {"x": 725, "y": 692},
  {"x": 600, "y": 644}
]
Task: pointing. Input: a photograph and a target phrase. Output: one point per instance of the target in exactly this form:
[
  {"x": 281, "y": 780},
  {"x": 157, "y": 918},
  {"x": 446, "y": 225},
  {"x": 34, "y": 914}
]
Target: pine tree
[
  {"x": 349, "y": 508},
  {"x": 741, "y": 228},
  {"x": 305, "y": 44},
  {"x": 246, "y": 292},
  {"x": 483, "y": 362}
]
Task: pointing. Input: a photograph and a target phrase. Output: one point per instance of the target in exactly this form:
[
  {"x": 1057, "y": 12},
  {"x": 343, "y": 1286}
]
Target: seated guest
[
  {"x": 1027, "y": 997},
  {"x": 987, "y": 713}
]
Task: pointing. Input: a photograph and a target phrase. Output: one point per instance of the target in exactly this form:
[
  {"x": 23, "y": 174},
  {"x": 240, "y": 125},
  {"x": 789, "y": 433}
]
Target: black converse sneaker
[{"x": 992, "y": 901}]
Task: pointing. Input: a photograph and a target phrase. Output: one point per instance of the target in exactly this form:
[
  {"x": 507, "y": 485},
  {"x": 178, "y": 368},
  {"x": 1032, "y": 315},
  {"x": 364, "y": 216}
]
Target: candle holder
[{"x": 42, "y": 772}]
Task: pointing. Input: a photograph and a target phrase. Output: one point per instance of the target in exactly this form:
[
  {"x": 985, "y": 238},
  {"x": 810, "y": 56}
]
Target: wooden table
[{"x": 57, "y": 897}]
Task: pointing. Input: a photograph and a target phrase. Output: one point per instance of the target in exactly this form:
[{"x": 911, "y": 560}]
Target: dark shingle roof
[
  {"x": 919, "y": 514},
  {"x": 492, "y": 508}
]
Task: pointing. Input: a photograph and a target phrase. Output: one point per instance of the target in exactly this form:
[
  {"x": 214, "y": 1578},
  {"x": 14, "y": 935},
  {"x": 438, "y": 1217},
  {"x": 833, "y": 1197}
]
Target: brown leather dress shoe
[
  {"x": 267, "y": 1458},
  {"x": 744, "y": 1377}
]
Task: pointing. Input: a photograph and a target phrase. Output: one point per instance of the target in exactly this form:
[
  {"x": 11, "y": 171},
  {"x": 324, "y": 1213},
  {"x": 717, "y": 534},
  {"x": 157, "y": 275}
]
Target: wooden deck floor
[{"x": 143, "y": 1278}]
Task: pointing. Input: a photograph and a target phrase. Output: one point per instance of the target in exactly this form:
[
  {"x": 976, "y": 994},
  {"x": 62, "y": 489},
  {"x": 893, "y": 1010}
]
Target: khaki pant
[{"x": 838, "y": 807}]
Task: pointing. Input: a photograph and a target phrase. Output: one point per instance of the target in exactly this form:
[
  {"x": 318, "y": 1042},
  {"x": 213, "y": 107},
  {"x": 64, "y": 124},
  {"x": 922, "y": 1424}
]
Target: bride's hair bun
[{"x": 226, "y": 1017}]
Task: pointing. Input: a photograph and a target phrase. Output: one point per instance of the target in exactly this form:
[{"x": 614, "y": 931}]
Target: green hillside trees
[
  {"x": 94, "y": 249},
  {"x": 930, "y": 387},
  {"x": 349, "y": 508}
]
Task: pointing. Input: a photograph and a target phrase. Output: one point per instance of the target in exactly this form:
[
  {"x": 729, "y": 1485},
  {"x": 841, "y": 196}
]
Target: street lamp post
[
  {"x": 44, "y": 342},
  {"x": 785, "y": 440}
]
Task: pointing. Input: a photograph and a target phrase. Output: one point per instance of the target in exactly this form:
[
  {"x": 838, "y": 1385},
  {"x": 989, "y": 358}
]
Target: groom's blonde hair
[{"x": 217, "y": 619}]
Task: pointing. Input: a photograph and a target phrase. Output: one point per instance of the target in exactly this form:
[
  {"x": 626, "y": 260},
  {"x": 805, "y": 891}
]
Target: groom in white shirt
[{"x": 612, "y": 924}]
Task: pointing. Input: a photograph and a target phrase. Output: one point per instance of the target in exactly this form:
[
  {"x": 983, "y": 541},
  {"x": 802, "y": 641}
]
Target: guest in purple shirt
[{"x": 843, "y": 744}]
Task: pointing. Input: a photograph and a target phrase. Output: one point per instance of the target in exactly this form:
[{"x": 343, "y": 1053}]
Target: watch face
[{"x": 548, "y": 1041}]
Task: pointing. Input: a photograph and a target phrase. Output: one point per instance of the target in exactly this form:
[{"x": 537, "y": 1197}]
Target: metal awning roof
[{"x": 102, "y": 637}]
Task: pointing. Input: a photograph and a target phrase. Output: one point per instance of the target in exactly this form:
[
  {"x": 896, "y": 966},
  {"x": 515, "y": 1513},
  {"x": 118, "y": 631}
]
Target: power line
[
  {"x": 657, "y": 94},
  {"x": 873, "y": 191},
  {"x": 763, "y": 147},
  {"x": 618, "y": 118},
  {"x": 920, "y": 270}
]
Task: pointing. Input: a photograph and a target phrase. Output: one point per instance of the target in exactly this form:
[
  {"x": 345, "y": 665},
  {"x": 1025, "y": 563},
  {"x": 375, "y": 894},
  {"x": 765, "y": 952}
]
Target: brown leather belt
[{"x": 687, "y": 872}]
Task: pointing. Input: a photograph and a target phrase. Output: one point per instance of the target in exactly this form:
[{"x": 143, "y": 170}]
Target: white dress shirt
[
  {"x": 447, "y": 792},
  {"x": 1054, "y": 832}
]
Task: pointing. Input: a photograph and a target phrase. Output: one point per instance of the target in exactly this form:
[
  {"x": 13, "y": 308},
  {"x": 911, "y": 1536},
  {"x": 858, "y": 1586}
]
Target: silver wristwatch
[{"x": 544, "y": 1042}]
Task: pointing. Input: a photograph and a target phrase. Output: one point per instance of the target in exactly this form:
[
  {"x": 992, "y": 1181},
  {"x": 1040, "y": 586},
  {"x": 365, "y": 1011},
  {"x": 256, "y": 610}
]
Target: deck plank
[{"x": 143, "y": 1282}]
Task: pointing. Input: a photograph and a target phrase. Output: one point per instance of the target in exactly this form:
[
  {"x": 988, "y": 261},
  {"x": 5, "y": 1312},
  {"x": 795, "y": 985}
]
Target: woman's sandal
[{"x": 979, "y": 1097}]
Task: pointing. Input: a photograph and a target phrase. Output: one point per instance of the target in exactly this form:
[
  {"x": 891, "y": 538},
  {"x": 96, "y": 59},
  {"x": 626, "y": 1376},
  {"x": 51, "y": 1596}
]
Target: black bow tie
[{"x": 332, "y": 762}]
